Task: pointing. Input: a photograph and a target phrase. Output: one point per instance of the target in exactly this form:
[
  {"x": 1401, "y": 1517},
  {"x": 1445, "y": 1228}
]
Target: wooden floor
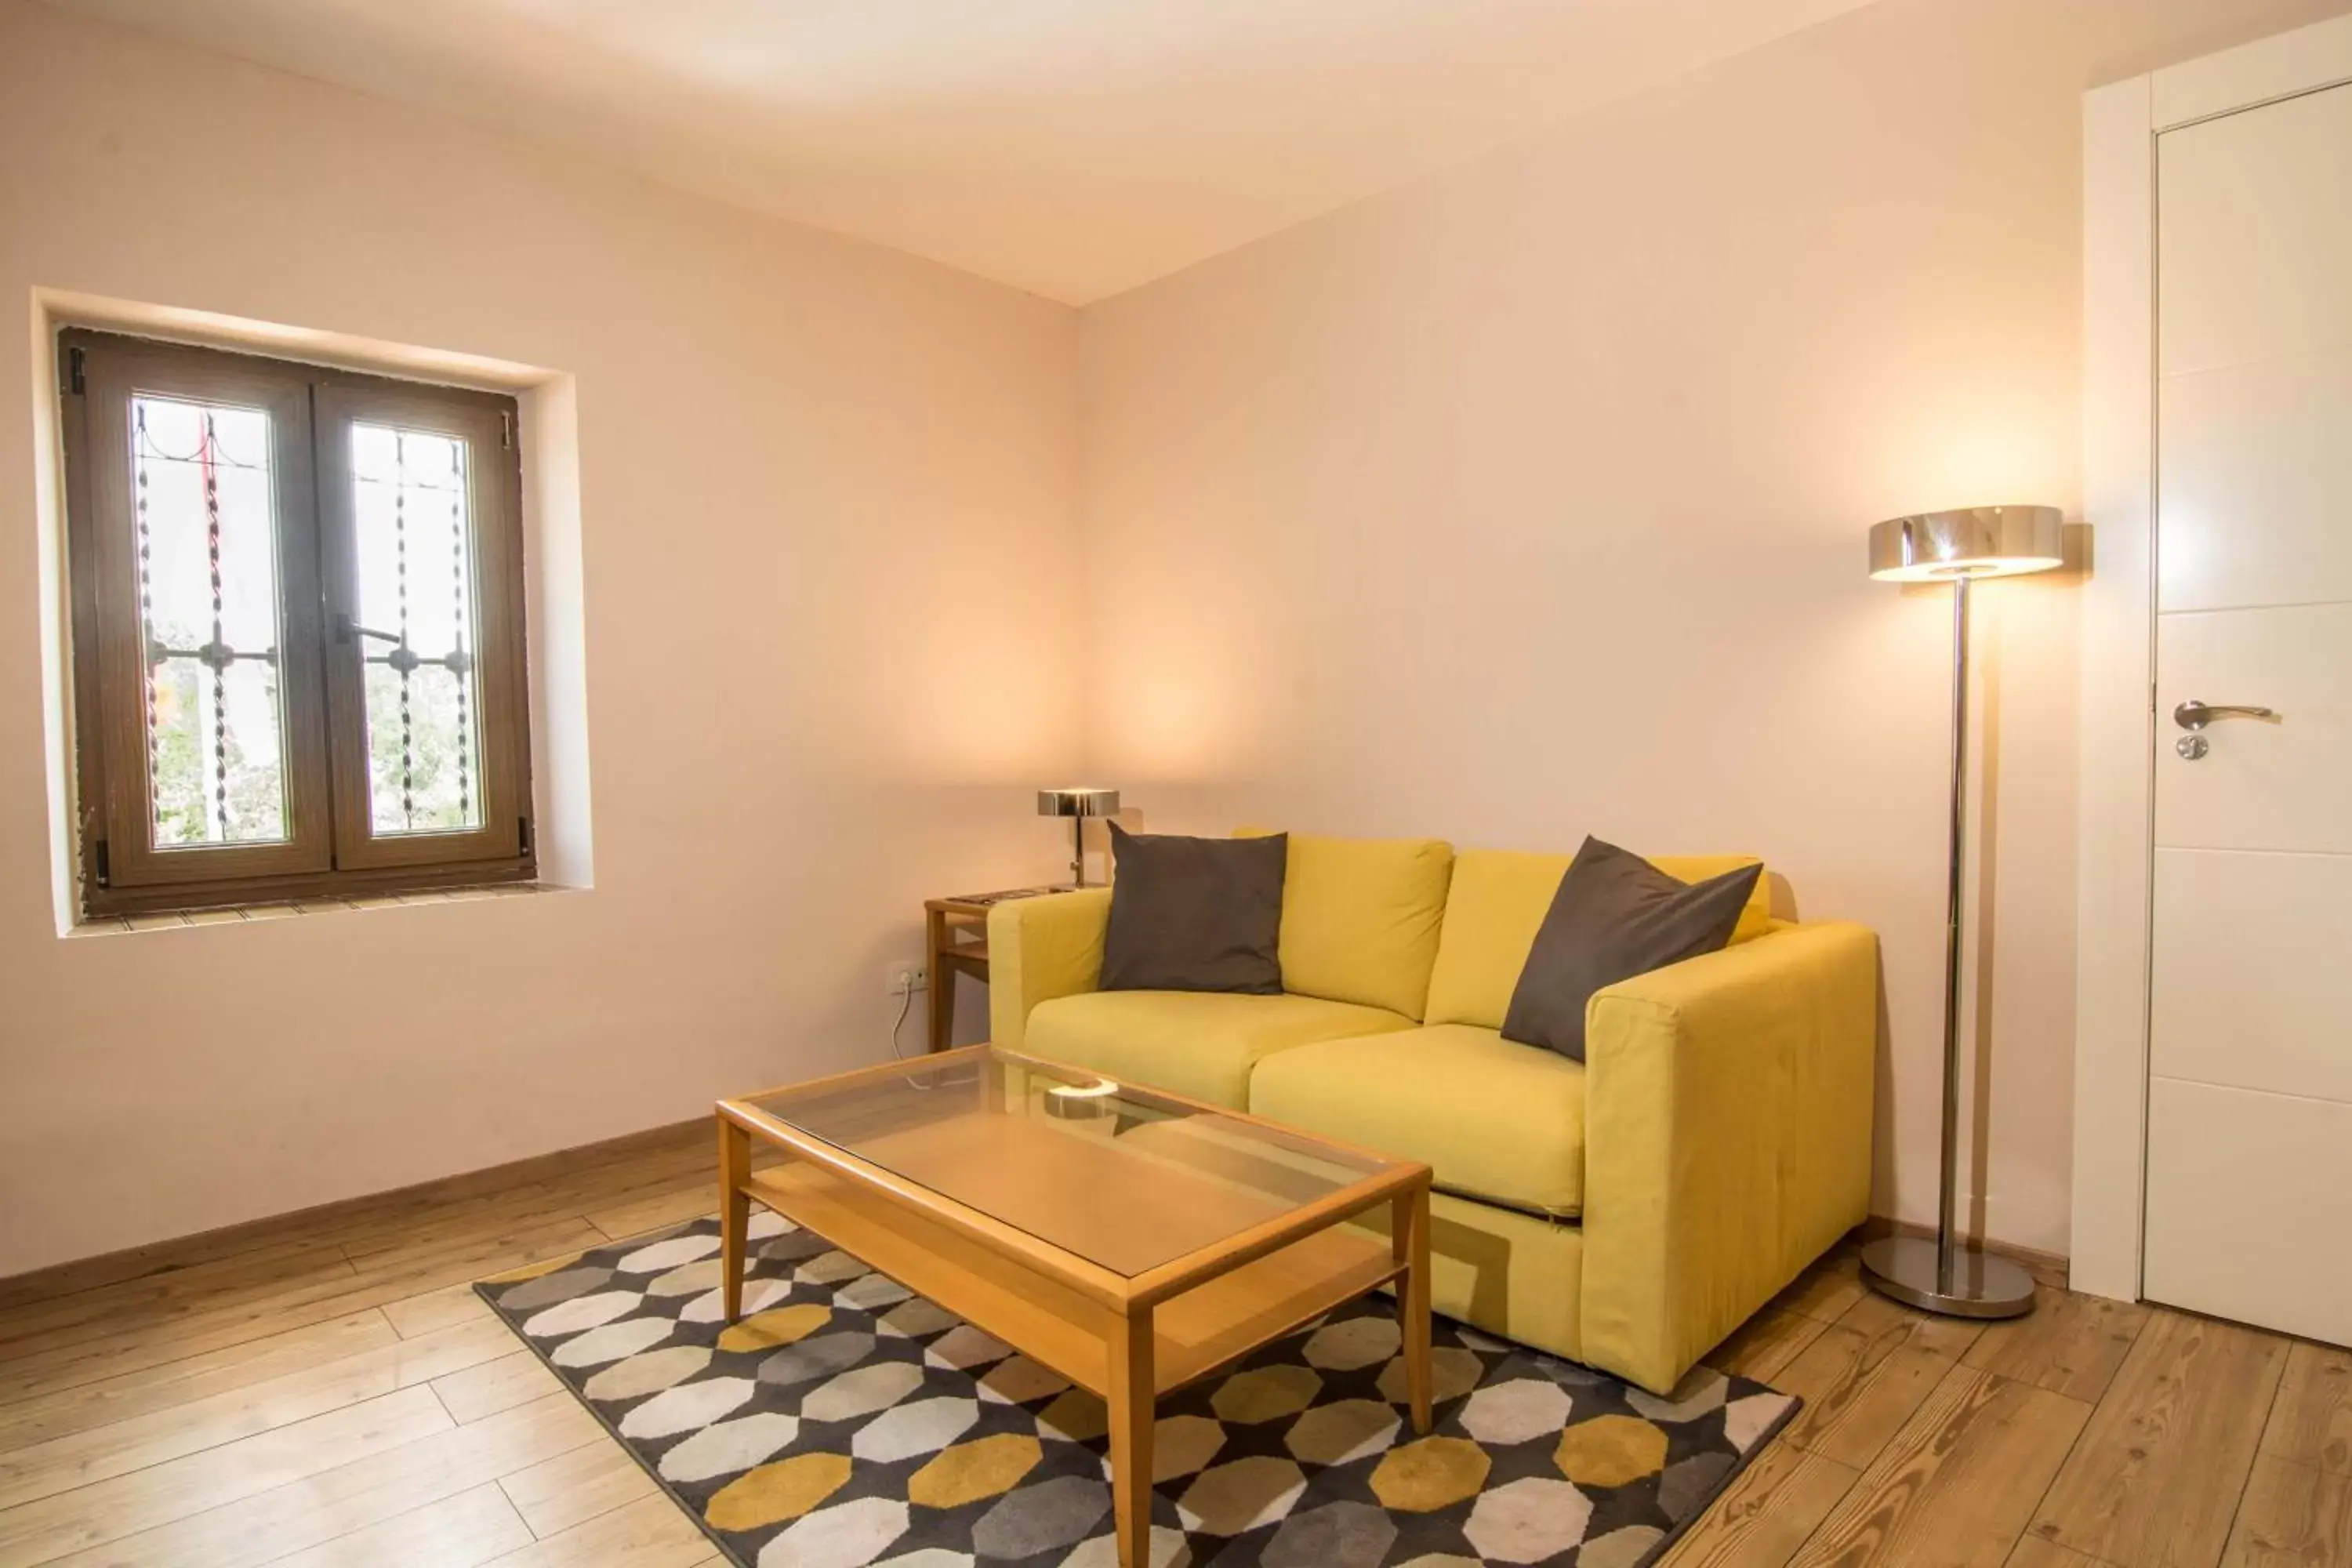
[{"x": 326, "y": 1391}]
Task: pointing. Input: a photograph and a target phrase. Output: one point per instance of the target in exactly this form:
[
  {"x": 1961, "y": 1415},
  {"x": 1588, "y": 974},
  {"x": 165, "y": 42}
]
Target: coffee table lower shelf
[{"x": 1195, "y": 1333}]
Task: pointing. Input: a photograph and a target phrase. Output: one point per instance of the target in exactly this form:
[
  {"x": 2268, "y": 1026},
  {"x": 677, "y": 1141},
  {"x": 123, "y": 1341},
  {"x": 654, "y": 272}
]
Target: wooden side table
[{"x": 950, "y": 927}]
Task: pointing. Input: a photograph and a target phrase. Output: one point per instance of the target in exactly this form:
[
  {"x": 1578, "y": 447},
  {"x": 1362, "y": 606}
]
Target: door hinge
[
  {"x": 74, "y": 371},
  {"x": 101, "y": 871},
  {"x": 506, "y": 429},
  {"x": 522, "y": 833}
]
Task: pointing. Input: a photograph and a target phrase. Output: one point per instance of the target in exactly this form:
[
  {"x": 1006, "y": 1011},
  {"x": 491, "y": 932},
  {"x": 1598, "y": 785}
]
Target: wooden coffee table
[{"x": 1129, "y": 1239}]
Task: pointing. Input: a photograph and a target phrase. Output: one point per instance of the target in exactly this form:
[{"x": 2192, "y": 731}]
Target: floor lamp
[{"x": 1947, "y": 1274}]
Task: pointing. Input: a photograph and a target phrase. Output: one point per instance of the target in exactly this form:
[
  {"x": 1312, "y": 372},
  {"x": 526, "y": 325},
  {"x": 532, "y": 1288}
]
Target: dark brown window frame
[{"x": 330, "y": 851}]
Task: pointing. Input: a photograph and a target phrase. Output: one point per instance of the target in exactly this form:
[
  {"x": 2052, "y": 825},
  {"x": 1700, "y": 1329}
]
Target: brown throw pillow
[
  {"x": 1194, "y": 914},
  {"x": 1615, "y": 916}
]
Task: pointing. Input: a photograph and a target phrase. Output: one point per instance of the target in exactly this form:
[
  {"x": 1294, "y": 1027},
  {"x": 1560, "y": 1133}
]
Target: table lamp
[
  {"x": 1947, "y": 1274},
  {"x": 1077, "y": 804}
]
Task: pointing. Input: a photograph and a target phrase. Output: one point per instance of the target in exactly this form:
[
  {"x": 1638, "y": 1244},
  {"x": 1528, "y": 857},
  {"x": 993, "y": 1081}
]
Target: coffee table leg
[
  {"x": 1409, "y": 1235},
  {"x": 734, "y": 1215},
  {"x": 1134, "y": 1404}
]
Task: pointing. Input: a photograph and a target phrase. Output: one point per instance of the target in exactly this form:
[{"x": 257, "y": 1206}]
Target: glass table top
[{"x": 1122, "y": 1176}]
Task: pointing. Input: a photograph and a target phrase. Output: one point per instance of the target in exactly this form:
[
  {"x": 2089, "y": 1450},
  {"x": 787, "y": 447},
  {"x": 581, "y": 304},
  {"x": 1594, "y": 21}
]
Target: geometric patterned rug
[{"x": 843, "y": 1422}]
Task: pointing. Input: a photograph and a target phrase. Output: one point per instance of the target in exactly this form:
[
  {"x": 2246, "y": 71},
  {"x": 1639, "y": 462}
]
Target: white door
[{"x": 2249, "y": 1210}]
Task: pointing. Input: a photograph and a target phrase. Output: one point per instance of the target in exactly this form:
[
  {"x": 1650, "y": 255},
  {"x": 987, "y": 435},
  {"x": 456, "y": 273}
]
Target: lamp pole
[{"x": 1948, "y": 1199}]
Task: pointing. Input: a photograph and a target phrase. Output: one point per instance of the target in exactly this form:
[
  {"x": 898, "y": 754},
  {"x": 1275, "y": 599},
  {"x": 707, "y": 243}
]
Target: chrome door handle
[{"x": 2195, "y": 715}]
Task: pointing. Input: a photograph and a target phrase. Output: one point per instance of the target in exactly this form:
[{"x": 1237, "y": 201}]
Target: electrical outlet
[{"x": 898, "y": 979}]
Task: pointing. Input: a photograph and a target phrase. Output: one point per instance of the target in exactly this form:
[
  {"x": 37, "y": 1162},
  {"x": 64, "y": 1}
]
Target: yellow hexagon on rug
[
  {"x": 1431, "y": 1474},
  {"x": 1611, "y": 1451},
  {"x": 1451, "y": 1373},
  {"x": 970, "y": 1471},
  {"x": 1248, "y": 1397},
  {"x": 779, "y": 1326},
  {"x": 785, "y": 1489}
]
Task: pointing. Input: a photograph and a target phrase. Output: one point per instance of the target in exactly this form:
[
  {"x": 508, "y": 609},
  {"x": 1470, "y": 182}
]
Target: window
[{"x": 297, "y": 629}]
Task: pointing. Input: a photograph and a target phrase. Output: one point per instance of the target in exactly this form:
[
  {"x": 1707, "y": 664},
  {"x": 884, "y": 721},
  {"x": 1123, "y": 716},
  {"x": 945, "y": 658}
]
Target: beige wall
[
  {"x": 1521, "y": 503},
  {"x": 815, "y": 473},
  {"x": 1529, "y": 502}
]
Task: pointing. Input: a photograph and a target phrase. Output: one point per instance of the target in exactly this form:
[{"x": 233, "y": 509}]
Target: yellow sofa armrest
[
  {"x": 1728, "y": 1132},
  {"x": 1041, "y": 948}
]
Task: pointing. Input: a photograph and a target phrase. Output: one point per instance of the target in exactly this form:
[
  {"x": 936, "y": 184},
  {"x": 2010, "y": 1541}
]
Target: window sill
[{"x": 116, "y": 925}]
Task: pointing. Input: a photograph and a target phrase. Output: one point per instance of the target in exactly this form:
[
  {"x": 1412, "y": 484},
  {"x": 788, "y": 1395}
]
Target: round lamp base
[{"x": 1982, "y": 1286}]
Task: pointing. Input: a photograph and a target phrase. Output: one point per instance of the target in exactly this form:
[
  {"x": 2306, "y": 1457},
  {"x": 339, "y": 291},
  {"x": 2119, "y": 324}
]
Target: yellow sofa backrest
[
  {"x": 1496, "y": 902},
  {"x": 1359, "y": 918}
]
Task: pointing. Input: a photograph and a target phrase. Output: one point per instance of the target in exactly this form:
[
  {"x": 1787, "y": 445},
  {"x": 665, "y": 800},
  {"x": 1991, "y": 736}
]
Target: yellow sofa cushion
[
  {"x": 1199, "y": 1043},
  {"x": 1361, "y": 916},
  {"x": 1495, "y": 1119},
  {"x": 1498, "y": 900}
]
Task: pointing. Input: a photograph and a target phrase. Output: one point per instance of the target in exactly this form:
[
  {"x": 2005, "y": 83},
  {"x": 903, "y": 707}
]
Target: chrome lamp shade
[
  {"x": 1077, "y": 804},
  {"x": 1975, "y": 542},
  {"x": 1946, "y": 1274}
]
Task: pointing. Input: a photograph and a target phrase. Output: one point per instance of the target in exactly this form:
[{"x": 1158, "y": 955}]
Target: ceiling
[{"x": 1074, "y": 147}]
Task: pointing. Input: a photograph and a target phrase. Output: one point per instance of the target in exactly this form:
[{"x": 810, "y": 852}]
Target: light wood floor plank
[
  {"x": 2069, "y": 1345},
  {"x": 648, "y": 1534},
  {"x": 2293, "y": 1517},
  {"x": 336, "y": 1502},
  {"x": 148, "y": 1265},
  {"x": 685, "y": 1202},
  {"x": 2312, "y": 1422},
  {"x": 491, "y": 1219},
  {"x": 454, "y": 1223},
  {"x": 1766, "y": 1514},
  {"x": 73, "y": 1364},
  {"x": 102, "y": 1453},
  {"x": 110, "y": 1509},
  {"x": 434, "y": 1311},
  {"x": 516, "y": 1378},
  {"x": 161, "y": 1297},
  {"x": 1858, "y": 1389},
  {"x": 569, "y": 1489},
  {"x": 321, "y": 1279},
  {"x": 1875, "y": 1314},
  {"x": 1955, "y": 1486},
  {"x": 462, "y": 1532},
  {"x": 2033, "y": 1552},
  {"x": 1766, "y": 1342},
  {"x": 659, "y": 1147},
  {"x": 2156, "y": 1476},
  {"x": 1827, "y": 1290},
  {"x": 50, "y": 1416}
]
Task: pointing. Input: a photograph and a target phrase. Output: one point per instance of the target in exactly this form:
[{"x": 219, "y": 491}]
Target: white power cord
[{"x": 906, "y": 1005}]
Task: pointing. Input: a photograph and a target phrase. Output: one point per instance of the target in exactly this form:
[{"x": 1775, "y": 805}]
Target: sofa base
[{"x": 1514, "y": 1275}]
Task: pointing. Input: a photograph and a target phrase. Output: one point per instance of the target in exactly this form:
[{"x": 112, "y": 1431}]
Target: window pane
[
  {"x": 204, "y": 499},
  {"x": 418, "y": 615}
]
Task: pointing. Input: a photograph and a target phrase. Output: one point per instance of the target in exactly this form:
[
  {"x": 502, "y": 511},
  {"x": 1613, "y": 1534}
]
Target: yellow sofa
[{"x": 1628, "y": 1211}]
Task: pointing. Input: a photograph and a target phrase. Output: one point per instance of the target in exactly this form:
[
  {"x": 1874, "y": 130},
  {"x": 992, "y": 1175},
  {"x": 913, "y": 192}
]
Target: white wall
[
  {"x": 816, "y": 474},
  {"x": 1529, "y": 502}
]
